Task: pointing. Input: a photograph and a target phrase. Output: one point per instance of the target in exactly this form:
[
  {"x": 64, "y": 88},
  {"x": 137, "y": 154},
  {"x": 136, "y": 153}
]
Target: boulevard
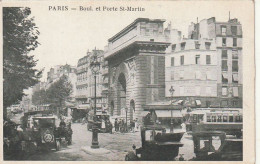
[{"x": 117, "y": 145}]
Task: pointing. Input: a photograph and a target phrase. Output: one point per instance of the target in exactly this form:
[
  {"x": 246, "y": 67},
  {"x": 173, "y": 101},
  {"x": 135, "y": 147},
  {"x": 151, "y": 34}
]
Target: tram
[{"x": 229, "y": 121}]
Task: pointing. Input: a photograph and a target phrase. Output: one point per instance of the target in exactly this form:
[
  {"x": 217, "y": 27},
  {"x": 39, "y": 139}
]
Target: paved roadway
[{"x": 117, "y": 143}]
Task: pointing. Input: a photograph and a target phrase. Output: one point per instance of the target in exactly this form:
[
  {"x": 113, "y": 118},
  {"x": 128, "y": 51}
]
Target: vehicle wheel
[
  {"x": 127, "y": 158},
  {"x": 238, "y": 135},
  {"x": 69, "y": 141},
  {"x": 130, "y": 156},
  {"x": 57, "y": 145}
]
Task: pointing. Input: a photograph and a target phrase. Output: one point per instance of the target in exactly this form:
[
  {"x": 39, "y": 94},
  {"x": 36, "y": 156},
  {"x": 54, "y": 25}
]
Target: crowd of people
[{"x": 122, "y": 126}]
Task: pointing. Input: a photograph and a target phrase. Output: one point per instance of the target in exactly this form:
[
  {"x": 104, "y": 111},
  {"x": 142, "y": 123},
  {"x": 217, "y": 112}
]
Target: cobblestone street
[{"x": 116, "y": 144}]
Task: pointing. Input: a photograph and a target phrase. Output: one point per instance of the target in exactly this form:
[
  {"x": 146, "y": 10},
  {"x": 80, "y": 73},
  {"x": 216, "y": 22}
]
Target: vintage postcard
[{"x": 128, "y": 81}]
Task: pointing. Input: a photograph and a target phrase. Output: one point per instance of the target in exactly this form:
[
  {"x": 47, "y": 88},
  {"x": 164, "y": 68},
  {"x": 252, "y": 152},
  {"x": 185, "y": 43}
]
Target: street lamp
[
  {"x": 171, "y": 91},
  {"x": 95, "y": 66},
  {"x": 126, "y": 118}
]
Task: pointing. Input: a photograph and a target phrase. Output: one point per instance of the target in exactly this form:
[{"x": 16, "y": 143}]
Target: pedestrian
[
  {"x": 123, "y": 125},
  {"x": 132, "y": 125},
  {"x": 136, "y": 124},
  {"x": 116, "y": 125},
  {"x": 120, "y": 125},
  {"x": 103, "y": 124},
  {"x": 83, "y": 120},
  {"x": 110, "y": 127}
]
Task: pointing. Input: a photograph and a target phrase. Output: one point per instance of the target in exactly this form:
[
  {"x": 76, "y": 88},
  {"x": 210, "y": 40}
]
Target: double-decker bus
[{"x": 229, "y": 121}]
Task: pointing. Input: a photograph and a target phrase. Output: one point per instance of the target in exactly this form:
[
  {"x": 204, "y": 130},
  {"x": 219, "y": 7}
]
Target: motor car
[
  {"x": 216, "y": 146},
  {"x": 45, "y": 131},
  {"x": 157, "y": 145},
  {"x": 102, "y": 121}
]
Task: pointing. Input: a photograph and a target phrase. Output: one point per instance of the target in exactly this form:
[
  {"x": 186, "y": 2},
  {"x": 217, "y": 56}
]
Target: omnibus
[{"x": 229, "y": 121}]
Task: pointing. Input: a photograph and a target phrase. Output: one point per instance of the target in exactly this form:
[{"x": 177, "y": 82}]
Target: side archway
[{"x": 121, "y": 92}]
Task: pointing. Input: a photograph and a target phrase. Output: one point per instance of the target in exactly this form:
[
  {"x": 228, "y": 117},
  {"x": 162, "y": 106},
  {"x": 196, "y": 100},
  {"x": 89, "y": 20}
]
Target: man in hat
[{"x": 116, "y": 125}]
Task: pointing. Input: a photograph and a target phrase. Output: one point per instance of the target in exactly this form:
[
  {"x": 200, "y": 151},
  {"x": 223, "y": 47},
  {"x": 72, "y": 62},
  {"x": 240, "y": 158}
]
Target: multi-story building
[
  {"x": 82, "y": 83},
  {"x": 191, "y": 69},
  {"x": 86, "y": 83},
  {"x": 58, "y": 71},
  {"x": 206, "y": 68},
  {"x": 105, "y": 84}
]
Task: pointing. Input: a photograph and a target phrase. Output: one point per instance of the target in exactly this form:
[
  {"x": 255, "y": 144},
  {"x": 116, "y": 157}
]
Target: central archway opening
[{"x": 121, "y": 92}]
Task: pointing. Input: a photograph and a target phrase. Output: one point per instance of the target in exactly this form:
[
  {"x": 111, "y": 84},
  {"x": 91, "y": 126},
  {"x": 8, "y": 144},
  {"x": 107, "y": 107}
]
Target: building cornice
[
  {"x": 131, "y": 26},
  {"x": 143, "y": 47}
]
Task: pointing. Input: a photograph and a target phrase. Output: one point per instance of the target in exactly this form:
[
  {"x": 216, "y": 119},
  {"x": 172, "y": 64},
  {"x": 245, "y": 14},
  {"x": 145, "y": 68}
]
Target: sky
[{"x": 66, "y": 36}]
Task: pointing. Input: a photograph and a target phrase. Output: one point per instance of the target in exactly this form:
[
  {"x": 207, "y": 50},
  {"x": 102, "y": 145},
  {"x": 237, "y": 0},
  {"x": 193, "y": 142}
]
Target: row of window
[
  {"x": 231, "y": 90},
  {"x": 209, "y": 90},
  {"x": 90, "y": 100},
  {"x": 197, "y": 60},
  {"x": 225, "y": 77},
  {"x": 197, "y": 45},
  {"x": 224, "y": 30},
  {"x": 224, "y": 54},
  {"x": 197, "y": 74},
  {"x": 224, "y": 65},
  {"x": 221, "y": 118},
  {"x": 224, "y": 42},
  {"x": 196, "y": 118}
]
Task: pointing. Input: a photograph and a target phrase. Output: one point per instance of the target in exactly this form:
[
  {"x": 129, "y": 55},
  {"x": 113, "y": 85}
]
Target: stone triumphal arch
[{"x": 136, "y": 63}]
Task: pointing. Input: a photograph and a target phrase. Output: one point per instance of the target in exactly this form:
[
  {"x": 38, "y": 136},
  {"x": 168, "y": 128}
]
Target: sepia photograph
[{"x": 135, "y": 81}]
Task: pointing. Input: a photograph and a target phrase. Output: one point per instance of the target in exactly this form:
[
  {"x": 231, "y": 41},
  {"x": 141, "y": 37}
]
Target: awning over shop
[
  {"x": 81, "y": 97},
  {"x": 162, "y": 105},
  {"x": 144, "y": 113},
  {"x": 198, "y": 102},
  {"x": 84, "y": 106},
  {"x": 169, "y": 113},
  {"x": 69, "y": 104},
  {"x": 180, "y": 101}
]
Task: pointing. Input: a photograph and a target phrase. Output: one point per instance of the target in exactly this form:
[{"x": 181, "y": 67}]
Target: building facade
[
  {"x": 58, "y": 71},
  {"x": 206, "y": 68},
  {"x": 191, "y": 69},
  {"x": 85, "y": 85},
  {"x": 136, "y": 66}
]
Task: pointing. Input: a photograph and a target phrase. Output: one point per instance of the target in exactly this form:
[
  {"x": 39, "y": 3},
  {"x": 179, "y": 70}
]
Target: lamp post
[
  {"x": 126, "y": 119},
  {"x": 95, "y": 66},
  {"x": 171, "y": 91}
]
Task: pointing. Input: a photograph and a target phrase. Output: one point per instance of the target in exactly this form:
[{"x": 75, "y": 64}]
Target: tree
[
  {"x": 40, "y": 97},
  {"x": 60, "y": 92},
  {"x": 57, "y": 94},
  {"x": 20, "y": 36}
]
